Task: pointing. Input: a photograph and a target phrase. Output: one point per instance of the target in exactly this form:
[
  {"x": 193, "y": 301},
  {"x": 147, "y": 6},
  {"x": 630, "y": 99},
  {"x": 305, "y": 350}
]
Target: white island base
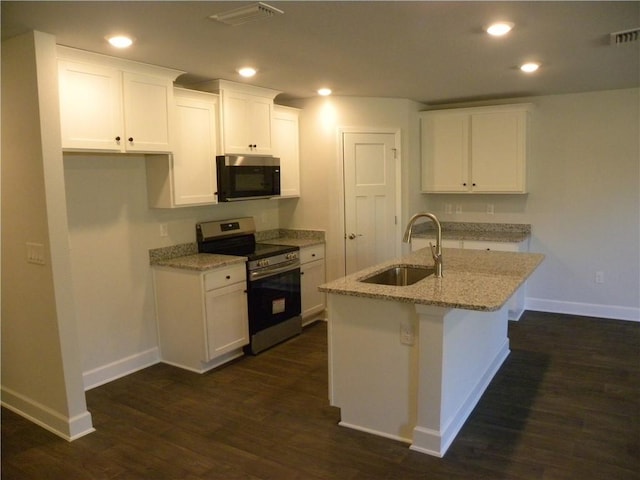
[{"x": 411, "y": 372}]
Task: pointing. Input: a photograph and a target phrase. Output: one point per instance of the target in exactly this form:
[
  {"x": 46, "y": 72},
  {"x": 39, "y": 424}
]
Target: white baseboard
[
  {"x": 613, "y": 312},
  {"x": 69, "y": 428},
  {"x": 120, "y": 368}
]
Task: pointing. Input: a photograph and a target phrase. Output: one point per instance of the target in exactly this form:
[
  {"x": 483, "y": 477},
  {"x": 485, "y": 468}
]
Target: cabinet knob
[
  {"x": 118, "y": 138},
  {"x": 313, "y": 254},
  {"x": 131, "y": 139},
  {"x": 228, "y": 277},
  {"x": 464, "y": 184},
  {"x": 473, "y": 184}
]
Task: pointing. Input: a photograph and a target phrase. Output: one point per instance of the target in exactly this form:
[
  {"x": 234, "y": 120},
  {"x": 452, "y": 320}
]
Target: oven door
[{"x": 273, "y": 297}]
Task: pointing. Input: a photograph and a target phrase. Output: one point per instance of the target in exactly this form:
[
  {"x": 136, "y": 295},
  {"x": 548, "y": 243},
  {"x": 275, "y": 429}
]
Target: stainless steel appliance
[
  {"x": 273, "y": 279},
  {"x": 247, "y": 177}
]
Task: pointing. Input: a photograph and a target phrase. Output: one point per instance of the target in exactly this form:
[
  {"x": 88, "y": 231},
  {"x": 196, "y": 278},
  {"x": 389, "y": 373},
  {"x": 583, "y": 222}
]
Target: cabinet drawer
[
  {"x": 487, "y": 245},
  {"x": 309, "y": 254},
  {"x": 223, "y": 276}
]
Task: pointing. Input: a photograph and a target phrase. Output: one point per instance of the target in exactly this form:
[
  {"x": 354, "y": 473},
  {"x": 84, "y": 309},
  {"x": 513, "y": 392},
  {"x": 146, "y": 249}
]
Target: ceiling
[{"x": 430, "y": 52}]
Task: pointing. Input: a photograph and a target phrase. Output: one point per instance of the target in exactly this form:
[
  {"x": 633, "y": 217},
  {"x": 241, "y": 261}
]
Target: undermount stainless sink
[{"x": 400, "y": 275}]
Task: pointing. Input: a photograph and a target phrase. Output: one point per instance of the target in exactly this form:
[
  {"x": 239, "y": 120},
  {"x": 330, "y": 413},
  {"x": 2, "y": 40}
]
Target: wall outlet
[
  {"x": 458, "y": 209},
  {"x": 490, "y": 209},
  {"x": 599, "y": 277},
  {"x": 407, "y": 336},
  {"x": 35, "y": 253},
  {"x": 164, "y": 230}
]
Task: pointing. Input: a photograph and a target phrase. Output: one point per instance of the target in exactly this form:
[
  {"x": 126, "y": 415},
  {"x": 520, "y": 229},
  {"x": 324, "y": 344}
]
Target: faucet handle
[{"x": 433, "y": 251}]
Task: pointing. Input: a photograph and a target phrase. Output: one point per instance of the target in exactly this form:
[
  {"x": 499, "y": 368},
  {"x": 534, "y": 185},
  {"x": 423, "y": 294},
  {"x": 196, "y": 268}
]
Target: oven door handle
[{"x": 268, "y": 272}]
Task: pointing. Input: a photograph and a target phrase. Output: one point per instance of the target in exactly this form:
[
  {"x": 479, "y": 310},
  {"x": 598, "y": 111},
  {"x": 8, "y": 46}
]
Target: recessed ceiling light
[
  {"x": 120, "y": 41},
  {"x": 529, "y": 67},
  {"x": 247, "y": 72},
  {"x": 324, "y": 92},
  {"x": 499, "y": 29}
]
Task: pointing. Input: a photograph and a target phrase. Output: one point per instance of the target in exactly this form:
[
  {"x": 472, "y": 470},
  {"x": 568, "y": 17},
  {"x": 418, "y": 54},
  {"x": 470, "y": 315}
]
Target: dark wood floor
[{"x": 565, "y": 405}]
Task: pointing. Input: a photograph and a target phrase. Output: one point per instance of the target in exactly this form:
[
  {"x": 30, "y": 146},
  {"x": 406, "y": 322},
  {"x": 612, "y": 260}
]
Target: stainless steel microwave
[{"x": 247, "y": 177}]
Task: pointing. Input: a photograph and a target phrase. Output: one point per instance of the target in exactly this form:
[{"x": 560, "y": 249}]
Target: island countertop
[{"x": 472, "y": 279}]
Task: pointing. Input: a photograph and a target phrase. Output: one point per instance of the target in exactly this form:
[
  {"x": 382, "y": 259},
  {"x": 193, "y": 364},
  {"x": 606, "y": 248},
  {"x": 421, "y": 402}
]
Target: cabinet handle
[
  {"x": 464, "y": 184},
  {"x": 131, "y": 139},
  {"x": 473, "y": 184},
  {"x": 118, "y": 139},
  {"x": 228, "y": 277},
  {"x": 313, "y": 254}
]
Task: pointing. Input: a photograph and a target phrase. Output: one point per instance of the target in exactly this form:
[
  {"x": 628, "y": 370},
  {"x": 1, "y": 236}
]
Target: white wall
[
  {"x": 583, "y": 205},
  {"x": 41, "y": 377},
  {"x": 321, "y": 176},
  {"x": 111, "y": 229}
]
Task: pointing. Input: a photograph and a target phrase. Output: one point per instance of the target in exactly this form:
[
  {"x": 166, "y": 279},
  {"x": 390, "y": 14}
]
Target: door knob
[{"x": 353, "y": 235}]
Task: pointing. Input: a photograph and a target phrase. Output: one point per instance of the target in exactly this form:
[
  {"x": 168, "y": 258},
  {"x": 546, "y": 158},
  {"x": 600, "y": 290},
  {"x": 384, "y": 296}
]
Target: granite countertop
[
  {"x": 200, "y": 261},
  {"x": 295, "y": 238},
  {"x": 185, "y": 256},
  {"x": 295, "y": 242},
  {"x": 472, "y": 279},
  {"x": 489, "y": 232}
]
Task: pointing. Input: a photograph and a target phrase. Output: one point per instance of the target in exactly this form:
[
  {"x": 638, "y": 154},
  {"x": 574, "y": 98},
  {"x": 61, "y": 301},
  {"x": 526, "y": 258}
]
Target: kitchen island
[{"x": 411, "y": 362}]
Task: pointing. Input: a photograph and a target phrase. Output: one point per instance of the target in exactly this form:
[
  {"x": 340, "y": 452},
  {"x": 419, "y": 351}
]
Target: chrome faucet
[{"x": 436, "y": 252}]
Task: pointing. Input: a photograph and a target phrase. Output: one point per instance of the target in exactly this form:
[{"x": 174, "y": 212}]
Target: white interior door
[{"x": 370, "y": 199}]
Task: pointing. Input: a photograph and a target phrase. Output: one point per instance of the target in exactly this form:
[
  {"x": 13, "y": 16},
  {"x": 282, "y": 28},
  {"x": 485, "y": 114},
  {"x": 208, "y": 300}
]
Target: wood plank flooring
[{"x": 565, "y": 405}]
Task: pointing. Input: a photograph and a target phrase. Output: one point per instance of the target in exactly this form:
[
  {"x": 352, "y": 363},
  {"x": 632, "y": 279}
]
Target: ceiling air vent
[
  {"x": 625, "y": 36},
  {"x": 249, "y": 13}
]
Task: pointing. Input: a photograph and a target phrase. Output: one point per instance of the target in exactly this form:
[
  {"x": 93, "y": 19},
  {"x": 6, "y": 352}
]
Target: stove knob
[{"x": 291, "y": 256}]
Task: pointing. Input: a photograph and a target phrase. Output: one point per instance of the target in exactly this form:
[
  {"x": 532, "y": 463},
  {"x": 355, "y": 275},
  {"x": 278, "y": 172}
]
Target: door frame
[{"x": 396, "y": 132}]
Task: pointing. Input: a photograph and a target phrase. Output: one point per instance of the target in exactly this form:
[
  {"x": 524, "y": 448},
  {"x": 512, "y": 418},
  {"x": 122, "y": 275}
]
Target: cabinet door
[
  {"x": 90, "y": 107},
  {"x": 261, "y": 113},
  {"x": 246, "y": 122},
  {"x": 286, "y": 148},
  {"x": 194, "y": 158},
  {"x": 312, "y": 276},
  {"x": 148, "y": 112},
  {"x": 497, "y": 246},
  {"x": 498, "y": 151},
  {"x": 227, "y": 319},
  {"x": 445, "y": 152}
]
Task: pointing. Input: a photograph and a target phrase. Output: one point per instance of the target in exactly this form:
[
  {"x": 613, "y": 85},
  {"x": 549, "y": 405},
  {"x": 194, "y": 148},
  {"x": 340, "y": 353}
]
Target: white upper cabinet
[
  {"x": 475, "y": 150},
  {"x": 188, "y": 177},
  {"x": 90, "y": 107},
  {"x": 246, "y": 117},
  {"x": 286, "y": 147},
  {"x": 113, "y": 105}
]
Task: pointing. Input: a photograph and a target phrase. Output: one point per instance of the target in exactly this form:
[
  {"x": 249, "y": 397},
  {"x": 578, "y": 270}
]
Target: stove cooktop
[{"x": 264, "y": 250}]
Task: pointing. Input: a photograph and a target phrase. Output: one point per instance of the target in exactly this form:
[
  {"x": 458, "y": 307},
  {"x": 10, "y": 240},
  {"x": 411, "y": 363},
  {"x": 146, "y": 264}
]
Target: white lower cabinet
[
  {"x": 202, "y": 316},
  {"x": 312, "y": 276},
  {"x": 517, "y": 301}
]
